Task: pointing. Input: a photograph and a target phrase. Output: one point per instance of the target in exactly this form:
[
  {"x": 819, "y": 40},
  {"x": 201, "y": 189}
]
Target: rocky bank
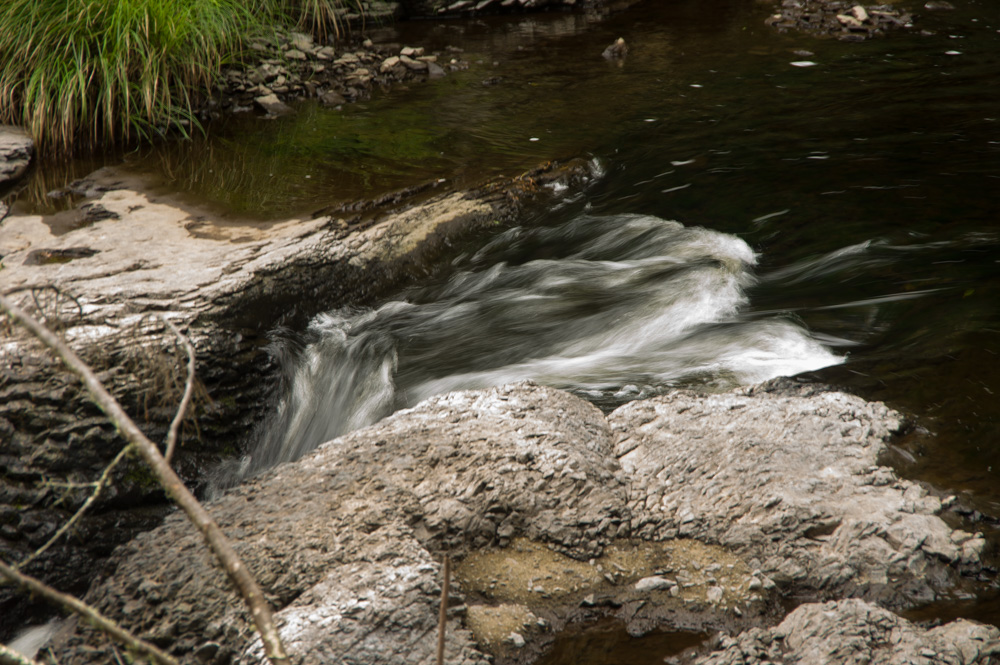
[
  {"x": 685, "y": 512},
  {"x": 109, "y": 269}
]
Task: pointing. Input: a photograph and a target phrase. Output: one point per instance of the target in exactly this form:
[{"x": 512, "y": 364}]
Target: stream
[{"x": 762, "y": 205}]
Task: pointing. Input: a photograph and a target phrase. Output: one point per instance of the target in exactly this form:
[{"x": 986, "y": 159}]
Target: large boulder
[{"x": 539, "y": 498}]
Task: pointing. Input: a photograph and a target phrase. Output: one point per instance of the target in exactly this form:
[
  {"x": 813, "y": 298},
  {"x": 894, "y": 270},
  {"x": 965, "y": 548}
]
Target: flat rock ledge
[{"x": 686, "y": 511}]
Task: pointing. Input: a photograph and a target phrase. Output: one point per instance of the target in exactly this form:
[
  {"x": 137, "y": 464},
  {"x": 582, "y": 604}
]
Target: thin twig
[
  {"x": 247, "y": 586},
  {"x": 102, "y": 622},
  {"x": 99, "y": 486},
  {"x": 188, "y": 389},
  {"x": 443, "y": 614},
  {"x": 10, "y": 657}
]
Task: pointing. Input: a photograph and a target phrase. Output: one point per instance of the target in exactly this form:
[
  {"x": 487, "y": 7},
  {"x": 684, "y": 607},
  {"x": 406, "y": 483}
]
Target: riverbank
[{"x": 108, "y": 271}]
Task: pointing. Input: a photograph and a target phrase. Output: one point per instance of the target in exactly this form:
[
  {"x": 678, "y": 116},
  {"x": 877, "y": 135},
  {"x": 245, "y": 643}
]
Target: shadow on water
[{"x": 608, "y": 643}]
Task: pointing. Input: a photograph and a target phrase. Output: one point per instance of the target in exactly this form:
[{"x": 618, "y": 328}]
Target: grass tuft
[{"x": 81, "y": 73}]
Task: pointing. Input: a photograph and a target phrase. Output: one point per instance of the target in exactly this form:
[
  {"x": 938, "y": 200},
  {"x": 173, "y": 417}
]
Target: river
[{"x": 761, "y": 204}]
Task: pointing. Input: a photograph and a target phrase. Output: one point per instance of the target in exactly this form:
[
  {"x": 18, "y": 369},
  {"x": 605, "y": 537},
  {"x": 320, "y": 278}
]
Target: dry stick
[
  {"x": 10, "y": 657},
  {"x": 98, "y": 486},
  {"x": 171, "y": 483},
  {"x": 87, "y": 612},
  {"x": 186, "y": 399},
  {"x": 443, "y": 615}
]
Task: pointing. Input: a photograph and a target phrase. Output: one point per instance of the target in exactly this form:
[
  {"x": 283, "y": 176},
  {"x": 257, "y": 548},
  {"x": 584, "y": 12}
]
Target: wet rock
[
  {"x": 272, "y": 105},
  {"x": 117, "y": 277},
  {"x": 844, "y": 20},
  {"x": 332, "y": 98},
  {"x": 435, "y": 71},
  {"x": 16, "y": 152},
  {"x": 616, "y": 51},
  {"x": 939, "y": 5},
  {"x": 858, "y": 632},
  {"x": 789, "y": 476}
]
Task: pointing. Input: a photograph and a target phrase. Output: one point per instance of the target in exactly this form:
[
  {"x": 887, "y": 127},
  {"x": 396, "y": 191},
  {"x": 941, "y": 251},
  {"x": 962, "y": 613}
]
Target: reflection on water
[{"x": 613, "y": 308}]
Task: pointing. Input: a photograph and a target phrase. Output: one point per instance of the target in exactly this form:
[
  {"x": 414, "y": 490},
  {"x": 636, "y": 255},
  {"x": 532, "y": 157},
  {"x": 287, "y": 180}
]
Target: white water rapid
[{"x": 612, "y": 308}]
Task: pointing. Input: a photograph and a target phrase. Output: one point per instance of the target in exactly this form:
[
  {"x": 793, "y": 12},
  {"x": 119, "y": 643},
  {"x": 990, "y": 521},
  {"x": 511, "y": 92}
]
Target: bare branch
[
  {"x": 98, "y": 487},
  {"x": 188, "y": 389},
  {"x": 10, "y": 657},
  {"x": 97, "y": 619},
  {"x": 247, "y": 586},
  {"x": 443, "y": 614}
]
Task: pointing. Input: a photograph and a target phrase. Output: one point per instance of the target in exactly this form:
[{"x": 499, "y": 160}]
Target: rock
[
  {"x": 435, "y": 71},
  {"x": 616, "y": 51},
  {"x": 348, "y": 549},
  {"x": 822, "y": 515},
  {"x": 295, "y": 54},
  {"x": 859, "y": 13},
  {"x": 272, "y": 105},
  {"x": 858, "y": 632},
  {"x": 332, "y": 98},
  {"x": 301, "y": 41},
  {"x": 345, "y": 540},
  {"x": 205, "y": 275},
  {"x": 389, "y": 63},
  {"x": 939, "y": 5},
  {"x": 517, "y": 640},
  {"x": 653, "y": 583},
  {"x": 16, "y": 152}
]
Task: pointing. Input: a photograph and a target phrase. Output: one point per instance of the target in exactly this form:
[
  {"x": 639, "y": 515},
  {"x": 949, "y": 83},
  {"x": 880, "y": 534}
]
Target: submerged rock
[{"x": 508, "y": 480}]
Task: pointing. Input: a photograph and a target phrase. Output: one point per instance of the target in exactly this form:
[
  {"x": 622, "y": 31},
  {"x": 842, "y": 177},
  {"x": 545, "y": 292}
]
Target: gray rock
[
  {"x": 792, "y": 480},
  {"x": 332, "y": 98},
  {"x": 342, "y": 539},
  {"x": 16, "y": 151},
  {"x": 653, "y": 583},
  {"x": 857, "y": 632},
  {"x": 345, "y": 540},
  {"x": 295, "y": 54},
  {"x": 435, "y": 71},
  {"x": 272, "y": 105}
]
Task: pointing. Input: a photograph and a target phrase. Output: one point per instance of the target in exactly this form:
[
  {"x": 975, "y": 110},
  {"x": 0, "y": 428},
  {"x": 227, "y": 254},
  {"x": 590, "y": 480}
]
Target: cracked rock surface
[
  {"x": 789, "y": 477},
  {"x": 855, "y": 631},
  {"x": 346, "y": 541}
]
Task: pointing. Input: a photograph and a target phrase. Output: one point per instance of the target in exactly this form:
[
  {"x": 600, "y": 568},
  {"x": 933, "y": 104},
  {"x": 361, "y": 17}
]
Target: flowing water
[{"x": 750, "y": 217}]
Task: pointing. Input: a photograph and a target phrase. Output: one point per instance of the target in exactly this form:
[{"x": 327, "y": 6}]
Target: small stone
[
  {"x": 435, "y": 71},
  {"x": 516, "y": 639},
  {"x": 389, "y": 63},
  {"x": 295, "y": 54},
  {"x": 272, "y": 105},
  {"x": 714, "y": 594},
  {"x": 859, "y": 13},
  {"x": 616, "y": 51},
  {"x": 653, "y": 583}
]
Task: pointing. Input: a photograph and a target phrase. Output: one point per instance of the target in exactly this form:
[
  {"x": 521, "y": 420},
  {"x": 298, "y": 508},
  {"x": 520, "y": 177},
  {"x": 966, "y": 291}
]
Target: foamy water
[{"x": 612, "y": 308}]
